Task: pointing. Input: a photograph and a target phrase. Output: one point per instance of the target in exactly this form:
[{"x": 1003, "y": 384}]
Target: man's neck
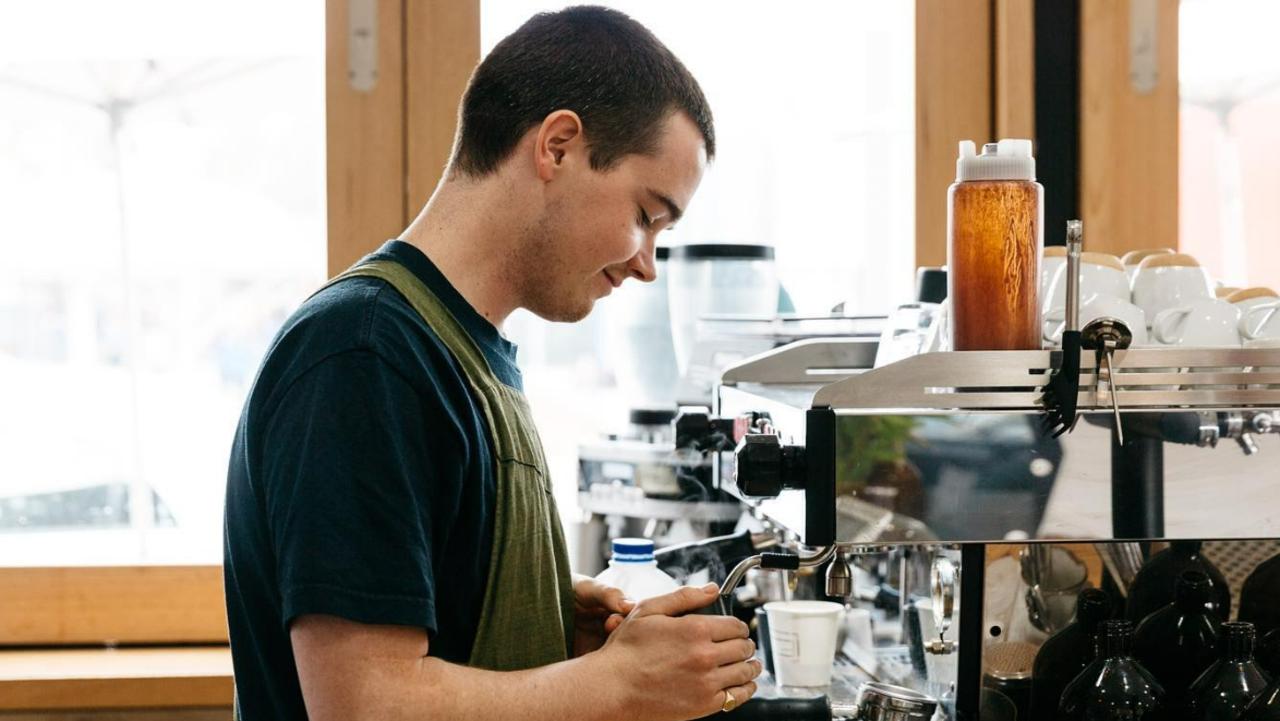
[{"x": 469, "y": 233}]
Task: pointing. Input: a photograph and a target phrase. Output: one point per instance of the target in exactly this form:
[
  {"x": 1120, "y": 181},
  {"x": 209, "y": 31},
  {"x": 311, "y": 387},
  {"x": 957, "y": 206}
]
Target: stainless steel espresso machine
[
  {"x": 926, "y": 494},
  {"x": 711, "y": 306}
]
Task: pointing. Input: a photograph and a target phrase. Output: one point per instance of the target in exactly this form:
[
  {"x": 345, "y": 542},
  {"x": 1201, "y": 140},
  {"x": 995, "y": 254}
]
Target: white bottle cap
[{"x": 1009, "y": 159}]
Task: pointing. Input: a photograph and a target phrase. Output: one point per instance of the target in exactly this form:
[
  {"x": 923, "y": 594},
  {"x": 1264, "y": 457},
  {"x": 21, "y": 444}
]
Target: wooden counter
[{"x": 45, "y": 680}]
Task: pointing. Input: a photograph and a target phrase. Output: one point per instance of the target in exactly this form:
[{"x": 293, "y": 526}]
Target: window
[
  {"x": 1229, "y": 78},
  {"x": 162, "y": 166},
  {"x": 815, "y": 131}
]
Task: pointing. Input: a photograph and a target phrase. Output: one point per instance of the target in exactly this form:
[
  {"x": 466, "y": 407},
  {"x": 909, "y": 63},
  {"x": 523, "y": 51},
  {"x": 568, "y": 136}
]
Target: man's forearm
[
  {"x": 662, "y": 662},
  {"x": 435, "y": 690}
]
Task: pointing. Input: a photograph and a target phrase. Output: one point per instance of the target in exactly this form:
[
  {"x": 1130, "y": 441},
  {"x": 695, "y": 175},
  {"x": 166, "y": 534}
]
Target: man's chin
[{"x": 564, "y": 313}]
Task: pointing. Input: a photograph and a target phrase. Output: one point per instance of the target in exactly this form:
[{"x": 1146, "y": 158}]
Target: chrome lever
[{"x": 1105, "y": 336}]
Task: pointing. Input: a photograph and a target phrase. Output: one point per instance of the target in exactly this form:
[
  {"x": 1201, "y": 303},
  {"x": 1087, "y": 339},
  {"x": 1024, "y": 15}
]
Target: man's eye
[{"x": 643, "y": 219}]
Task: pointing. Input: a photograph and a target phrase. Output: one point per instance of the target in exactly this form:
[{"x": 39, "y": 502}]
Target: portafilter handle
[{"x": 818, "y": 708}]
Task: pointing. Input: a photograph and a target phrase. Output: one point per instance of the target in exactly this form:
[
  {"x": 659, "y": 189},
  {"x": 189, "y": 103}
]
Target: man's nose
[{"x": 642, "y": 265}]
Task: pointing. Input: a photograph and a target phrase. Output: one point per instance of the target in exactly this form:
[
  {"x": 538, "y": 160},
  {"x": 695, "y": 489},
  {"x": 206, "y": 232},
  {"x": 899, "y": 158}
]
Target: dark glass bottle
[
  {"x": 1066, "y": 653},
  {"x": 1152, "y": 588},
  {"x": 1267, "y": 706},
  {"x": 1268, "y": 652},
  {"x": 1260, "y": 597},
  {"x": 1115, "y": 686},
  {"x": 1178, "y": 642},
  {"x": 1227, "y": 687}
]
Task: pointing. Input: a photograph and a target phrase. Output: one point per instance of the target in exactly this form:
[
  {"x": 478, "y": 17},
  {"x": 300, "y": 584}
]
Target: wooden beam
[
  {"x": 953, "y": 103},
  {"x": 112, "y": 604},
  {"x": 1128, "y": 136},
  {"x": 365, "y": 139},
  {"x": 1015, "y": 69},
  {"x": 443, "y": 47}
]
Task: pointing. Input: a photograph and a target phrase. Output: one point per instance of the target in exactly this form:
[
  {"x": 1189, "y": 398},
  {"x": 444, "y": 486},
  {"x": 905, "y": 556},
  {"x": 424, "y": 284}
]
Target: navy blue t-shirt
[{"x": 361, "y": 481}]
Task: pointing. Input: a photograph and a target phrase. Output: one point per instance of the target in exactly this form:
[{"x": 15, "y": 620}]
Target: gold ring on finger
[{"x": 729, "y": 701}]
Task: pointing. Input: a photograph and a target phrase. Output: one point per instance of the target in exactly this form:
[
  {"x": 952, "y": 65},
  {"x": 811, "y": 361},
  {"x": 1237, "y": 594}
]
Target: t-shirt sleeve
[{"x": 348, "y": 475}]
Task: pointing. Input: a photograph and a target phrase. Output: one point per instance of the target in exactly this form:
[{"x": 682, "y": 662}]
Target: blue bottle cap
[{"x": 632, "y": 550}]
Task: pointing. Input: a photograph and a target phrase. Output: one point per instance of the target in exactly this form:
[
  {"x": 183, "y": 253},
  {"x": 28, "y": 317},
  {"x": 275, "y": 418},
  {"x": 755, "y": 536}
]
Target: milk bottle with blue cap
[{"x": 633, "y": 570}]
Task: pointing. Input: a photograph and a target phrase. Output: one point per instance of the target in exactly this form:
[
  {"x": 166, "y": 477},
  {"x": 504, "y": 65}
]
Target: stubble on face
[{"x": 541, "y": 275}]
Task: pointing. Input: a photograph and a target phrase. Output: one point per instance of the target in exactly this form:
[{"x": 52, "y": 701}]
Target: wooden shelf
[{"x": 121, "y": 678}]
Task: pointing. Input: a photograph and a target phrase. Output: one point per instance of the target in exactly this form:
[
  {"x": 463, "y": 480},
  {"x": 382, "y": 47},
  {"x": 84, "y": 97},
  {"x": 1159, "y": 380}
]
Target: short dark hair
[{"x": 609, "y": 69}]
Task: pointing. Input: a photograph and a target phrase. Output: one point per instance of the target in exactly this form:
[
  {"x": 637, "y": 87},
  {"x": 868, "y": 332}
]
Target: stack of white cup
[
  {"x": 1166, "y": 299},
  {"x": 1104, "y": 293}
]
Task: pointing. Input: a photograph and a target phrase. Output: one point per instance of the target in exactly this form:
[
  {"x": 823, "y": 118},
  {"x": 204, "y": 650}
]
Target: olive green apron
[{"x": 527, "y": 616}]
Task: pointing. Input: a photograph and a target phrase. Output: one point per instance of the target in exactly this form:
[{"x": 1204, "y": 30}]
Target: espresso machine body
[{"x": 932, "y": 476}]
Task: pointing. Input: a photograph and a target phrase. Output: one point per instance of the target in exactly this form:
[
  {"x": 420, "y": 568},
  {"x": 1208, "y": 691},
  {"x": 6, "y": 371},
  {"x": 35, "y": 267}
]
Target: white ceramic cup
[
  {"x": 1100, "y": 274},
  {"x": 1134, "y": 258},
  {"x": 1246, "y": 298},
  {"x": 1202, "y": 323},
  {"x": 802, "y": 639},
  {"x": 1169, "y": 281},
  {"x": 938, "y": 336},
  {"x": 1099, "y": 306},
  {"x": 1260, "y": 320}
]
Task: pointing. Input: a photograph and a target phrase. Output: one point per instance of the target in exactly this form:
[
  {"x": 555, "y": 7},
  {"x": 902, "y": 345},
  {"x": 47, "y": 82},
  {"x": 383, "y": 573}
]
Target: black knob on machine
[
  {"x": 780, "y": 709},
  {"x": 763, "y": 466}
]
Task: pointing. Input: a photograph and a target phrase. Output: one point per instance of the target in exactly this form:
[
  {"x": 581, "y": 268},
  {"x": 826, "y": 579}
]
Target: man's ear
[{"x": 559, "y": 141}]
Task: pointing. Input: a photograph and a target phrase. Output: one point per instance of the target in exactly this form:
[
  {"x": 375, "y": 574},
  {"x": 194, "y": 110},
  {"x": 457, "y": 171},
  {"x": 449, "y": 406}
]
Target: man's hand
[
  {"x": 657, "y": 665},
  {"x": 680, "y": 667},
  {"x": 598, "y": 609}
]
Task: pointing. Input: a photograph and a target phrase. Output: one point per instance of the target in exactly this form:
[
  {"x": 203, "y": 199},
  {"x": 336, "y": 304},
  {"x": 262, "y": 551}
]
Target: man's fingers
[
  {"x": 612, "y": 623},
  {"x": 591, "y": 594},
  {"x": 615, "y": 601},
  {"x": 738, "y": 674},
  {"x": 740, "y": 695},
  {"x": 724, "y": 628},
  {"x": 681, "y": 600},
  {"x": 734, "y": 651}
]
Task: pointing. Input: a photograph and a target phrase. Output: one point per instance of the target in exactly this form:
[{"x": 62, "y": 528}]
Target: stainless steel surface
[
  {"x": 886, "y": 702},
  {"x": 944, "y": 585},
  {"x": 817, "y": 360},
  {"x": 844, "y": 710},
  {"x": 739, "y": 571},
  {"x": 984, "y": 474},
  {"x": 737, "y": 574},
  {"x": 1105, "y": 336},
  {"x": 1014, "y": 381},
  {"x": 1122, "y": 561},
  {"x": 1075, "y": 243},
  {"x": 722, "y": 342},
  {"x": 813, "y": 560},
  {"x": 1054, "y": 578},
  {"x": 1037, "y": 564},
  {"x": 869, "y": 644},
  {"x": 839, "y": 577},
  {"x": 662, "y": 510}
]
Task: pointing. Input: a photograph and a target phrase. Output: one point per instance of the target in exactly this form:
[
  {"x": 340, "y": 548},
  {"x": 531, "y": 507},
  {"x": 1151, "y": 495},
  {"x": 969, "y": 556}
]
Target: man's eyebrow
[{"x": 672, "y": 208}]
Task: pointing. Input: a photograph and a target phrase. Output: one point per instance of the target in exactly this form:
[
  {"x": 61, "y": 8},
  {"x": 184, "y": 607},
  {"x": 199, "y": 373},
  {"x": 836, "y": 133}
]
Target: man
[{"x": 392, "y": 547}]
